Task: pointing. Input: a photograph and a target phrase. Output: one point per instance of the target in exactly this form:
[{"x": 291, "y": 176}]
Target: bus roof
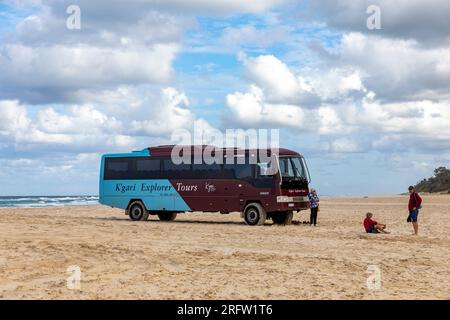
[{"x": 166, "y": 150}]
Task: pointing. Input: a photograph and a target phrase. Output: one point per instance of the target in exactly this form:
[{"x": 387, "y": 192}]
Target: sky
[{"x": 368, "y": 108}]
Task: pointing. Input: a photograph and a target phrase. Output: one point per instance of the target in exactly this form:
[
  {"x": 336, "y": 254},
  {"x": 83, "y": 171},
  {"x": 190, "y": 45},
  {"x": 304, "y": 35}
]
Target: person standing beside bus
[
  {"x": 314, "y": 206},
  {"x": 414, "y": 204}
]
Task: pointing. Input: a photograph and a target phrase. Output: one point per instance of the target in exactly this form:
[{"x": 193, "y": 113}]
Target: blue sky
[{"x": 369, "y": 109}]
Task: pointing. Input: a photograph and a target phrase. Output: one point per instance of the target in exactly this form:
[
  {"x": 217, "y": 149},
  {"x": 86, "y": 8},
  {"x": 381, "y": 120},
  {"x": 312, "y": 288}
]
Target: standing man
[
  {"x": 314, "y": 205},
  {"x": 414, "y": 204}
]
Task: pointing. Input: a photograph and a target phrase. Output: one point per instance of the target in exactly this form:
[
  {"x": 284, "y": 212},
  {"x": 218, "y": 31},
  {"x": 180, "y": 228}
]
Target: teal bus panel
[{"x": 156, "y": 194}]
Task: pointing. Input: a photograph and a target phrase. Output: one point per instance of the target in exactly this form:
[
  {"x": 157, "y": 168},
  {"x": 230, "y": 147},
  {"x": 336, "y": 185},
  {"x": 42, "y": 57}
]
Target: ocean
[{"x": 46, "y": 201}]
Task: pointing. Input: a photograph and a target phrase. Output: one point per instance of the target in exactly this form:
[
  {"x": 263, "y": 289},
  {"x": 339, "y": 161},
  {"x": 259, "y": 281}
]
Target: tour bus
[{"x": 149, "y": 182}]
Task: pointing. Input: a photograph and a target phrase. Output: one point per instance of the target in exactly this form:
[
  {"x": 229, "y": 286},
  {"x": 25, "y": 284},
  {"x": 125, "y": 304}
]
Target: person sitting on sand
[{"x": 372, "y": 226}]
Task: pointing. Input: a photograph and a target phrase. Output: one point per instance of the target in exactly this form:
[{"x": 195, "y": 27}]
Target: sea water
[{"x": 46, "y": 201}]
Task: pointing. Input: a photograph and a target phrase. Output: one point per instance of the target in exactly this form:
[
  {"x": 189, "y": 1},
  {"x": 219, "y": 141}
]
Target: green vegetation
[{"x": 440, "y": 182}]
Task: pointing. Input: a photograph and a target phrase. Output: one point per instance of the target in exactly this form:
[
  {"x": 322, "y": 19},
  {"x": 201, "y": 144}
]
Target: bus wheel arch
[
  {"x": 283, "y": 217},
  {"x": 137, "y": 211},
  {"x": 167, "y": 216},
  {"x": 250, "y": 202},
  {"x": 254, "y": 214}
]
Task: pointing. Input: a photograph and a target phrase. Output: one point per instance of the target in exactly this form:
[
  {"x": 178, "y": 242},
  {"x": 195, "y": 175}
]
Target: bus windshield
[{"x": 292, "y": 167}]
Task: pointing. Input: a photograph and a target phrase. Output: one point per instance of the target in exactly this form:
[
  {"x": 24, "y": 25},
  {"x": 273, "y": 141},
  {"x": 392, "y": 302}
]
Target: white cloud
[
  {"x": 13, "y": 117},
  {"x": 330, "y": 121},
  {"x": 64, "y": 68},
  {"x": 249, "y": 36},
  {"x": 396, "y": 70},
  {"x": 424, "y": 21},
  {"x": 218, "y": 6},
  {"x": 251, "y": 109},
  {"x": 85, "y": 126},
  {"x": 81, "y": 126},
  {"x": 119, "y": 44},
  {"x": 273, "y": 76},
  {"x": 172, "y": 113},
  {"x": 343, "y": 145},
  {"x": 83, "y": 119},
  {"x": 424, "y": 119},
  {"x": 347, "y": 114},
  {"x": 306, "y": 87},
  {"x": 121, "y": 102},
  {"x": 334, "y": 83},
  {"x": 278, "y": 96}
]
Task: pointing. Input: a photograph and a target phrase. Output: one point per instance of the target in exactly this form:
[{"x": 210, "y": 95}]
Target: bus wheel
[
  {"x": 254, "y": 214},
  {"x": 137, "y": 211},
  {"x": 282, "y": 217},
  {"x": 167, "y": 216}
]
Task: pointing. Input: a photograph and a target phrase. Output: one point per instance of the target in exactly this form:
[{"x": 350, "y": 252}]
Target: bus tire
[
  {"x": 137, "y": 211},
  {"x": 254, "y": 214},
  {"x": 282, "y": 218},
  {"x": 167, "y": 216}
]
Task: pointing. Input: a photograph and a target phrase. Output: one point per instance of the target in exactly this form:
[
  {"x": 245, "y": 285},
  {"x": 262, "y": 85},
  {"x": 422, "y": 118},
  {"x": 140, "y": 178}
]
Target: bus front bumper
[
  {"x": 293, "y": 203},
  {"x": 284, "y": 199}
]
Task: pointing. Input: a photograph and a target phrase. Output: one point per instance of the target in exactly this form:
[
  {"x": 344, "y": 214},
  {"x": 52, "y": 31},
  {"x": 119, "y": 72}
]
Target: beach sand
[{"x": 213, "y": 256}]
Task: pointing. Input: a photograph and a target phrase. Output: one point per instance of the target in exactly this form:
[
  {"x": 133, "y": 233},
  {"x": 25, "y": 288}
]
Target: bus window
[
  {"x": 286, "y": 169},
  {"x": 176, "y": 171},
  {"x": 265, "y": 170},
  {"x": 148, "y": 168},
  {"x": 305, "y": 169},
  {"x": 207, "y": 171},
  {"x": 237, "y": 171},
  {"x": 243, "y": 171},
  {"x": 298, "y": 168},
  {"x": 116, "y": 168}
]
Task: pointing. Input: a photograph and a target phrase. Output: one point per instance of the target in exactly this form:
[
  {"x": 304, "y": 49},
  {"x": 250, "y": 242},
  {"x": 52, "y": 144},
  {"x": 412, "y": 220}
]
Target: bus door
[
  {"x": 266, "y": 180},
  {"x": 213, "y": 191},
  {"x": 239, "y": 184}
]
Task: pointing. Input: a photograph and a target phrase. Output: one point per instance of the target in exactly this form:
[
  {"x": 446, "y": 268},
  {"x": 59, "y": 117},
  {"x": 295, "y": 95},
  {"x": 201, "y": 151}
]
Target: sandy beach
[{"x": 213, "y": 256}]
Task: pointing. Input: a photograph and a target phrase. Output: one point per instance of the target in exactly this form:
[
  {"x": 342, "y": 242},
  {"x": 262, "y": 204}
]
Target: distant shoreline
[
  {"x": 50, "y": 196},
  {"x": 429, "y": 193},
  {"x": 92, "y": 200}
]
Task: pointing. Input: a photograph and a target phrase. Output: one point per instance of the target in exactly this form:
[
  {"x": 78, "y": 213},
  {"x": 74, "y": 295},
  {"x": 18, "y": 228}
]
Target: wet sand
[{"x": 213, "y": 256}]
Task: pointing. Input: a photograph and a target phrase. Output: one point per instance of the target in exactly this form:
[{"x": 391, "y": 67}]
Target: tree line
[{"x": 440, "y": 182}]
